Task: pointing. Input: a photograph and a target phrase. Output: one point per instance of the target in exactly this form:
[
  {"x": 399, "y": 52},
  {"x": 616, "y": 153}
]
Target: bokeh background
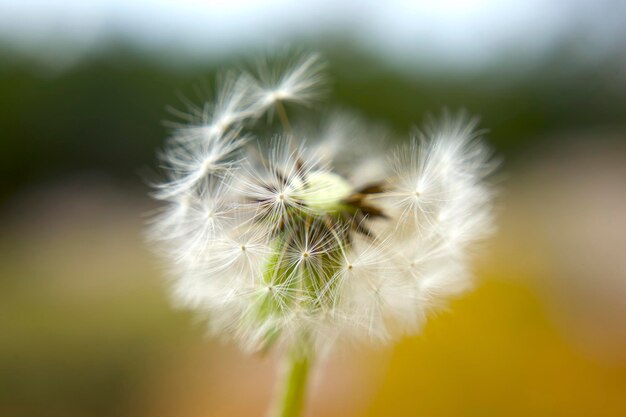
[{"x": 85, "y": 324}]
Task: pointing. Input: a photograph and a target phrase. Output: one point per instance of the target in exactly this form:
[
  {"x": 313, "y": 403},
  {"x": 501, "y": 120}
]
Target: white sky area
[{"x": 445, "y": 33}]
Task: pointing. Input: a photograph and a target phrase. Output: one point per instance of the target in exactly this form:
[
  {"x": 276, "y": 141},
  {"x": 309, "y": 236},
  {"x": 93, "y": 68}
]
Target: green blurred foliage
[{"x": 105, "y": 113}]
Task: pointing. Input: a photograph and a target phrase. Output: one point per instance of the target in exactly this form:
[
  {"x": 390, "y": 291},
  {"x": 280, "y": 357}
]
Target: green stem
[{"x": 291, "y": 397}]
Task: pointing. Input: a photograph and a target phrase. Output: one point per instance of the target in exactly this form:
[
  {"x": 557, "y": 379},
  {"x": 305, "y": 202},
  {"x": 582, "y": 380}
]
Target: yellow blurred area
[{"x": 497, "y": 354}]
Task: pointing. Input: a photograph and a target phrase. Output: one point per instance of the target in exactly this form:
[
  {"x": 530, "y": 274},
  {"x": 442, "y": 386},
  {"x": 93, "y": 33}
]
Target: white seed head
[{"x": 326, "y": 240}]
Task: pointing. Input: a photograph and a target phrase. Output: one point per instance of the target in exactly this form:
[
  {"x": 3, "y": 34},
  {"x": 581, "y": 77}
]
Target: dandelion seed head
[{"x": 318, "y": 236}]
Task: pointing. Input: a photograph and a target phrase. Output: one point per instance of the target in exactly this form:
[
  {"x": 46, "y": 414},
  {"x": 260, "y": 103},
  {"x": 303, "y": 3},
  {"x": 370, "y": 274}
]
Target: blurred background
[{"x": 85, "y": 324}]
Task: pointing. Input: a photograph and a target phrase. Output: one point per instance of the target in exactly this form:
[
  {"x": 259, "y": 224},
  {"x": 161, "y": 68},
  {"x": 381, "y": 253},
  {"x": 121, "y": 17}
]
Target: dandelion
[{"x": 304, "y": 245}]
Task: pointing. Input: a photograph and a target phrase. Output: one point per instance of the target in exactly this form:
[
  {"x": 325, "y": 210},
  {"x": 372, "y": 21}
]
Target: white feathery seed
[
  {"x": 316, "y": 238},
  {"x": 297, "y": 81}
]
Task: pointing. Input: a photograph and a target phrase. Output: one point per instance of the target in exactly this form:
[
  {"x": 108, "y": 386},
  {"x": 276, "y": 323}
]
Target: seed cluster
[{"x": 314, "y": 236}]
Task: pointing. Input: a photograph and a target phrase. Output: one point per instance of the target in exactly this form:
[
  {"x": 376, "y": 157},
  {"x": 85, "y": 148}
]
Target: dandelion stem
[
  {"x": 291, "y": 394},
  {"x": 282, "y": 115}
]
